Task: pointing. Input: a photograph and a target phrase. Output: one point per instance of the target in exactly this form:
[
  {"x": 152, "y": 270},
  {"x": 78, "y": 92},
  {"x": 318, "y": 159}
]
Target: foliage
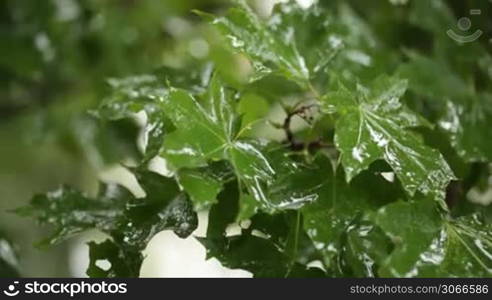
[
  {"x": 8, "y": 258},
  {"x": 373, "y": 183}
]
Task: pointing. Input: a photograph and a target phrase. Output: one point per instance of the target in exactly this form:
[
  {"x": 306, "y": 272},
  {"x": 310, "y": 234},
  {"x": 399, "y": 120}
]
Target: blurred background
[{"x": 55, "y": 59}]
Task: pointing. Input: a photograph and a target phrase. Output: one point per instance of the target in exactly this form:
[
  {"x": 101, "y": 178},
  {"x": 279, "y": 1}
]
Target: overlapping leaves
[
  {"x": 209, "y": 131},
  {"x": 428, "y": 245},
  {"x": 271, "y": 246},
  {"x": 336, "y": 220},
  {"x": 328, "y": 204},
  {"x": 293, "y": 42},
  {"x": 464, "y": 114},
  {"x": 130, "y": 222}
]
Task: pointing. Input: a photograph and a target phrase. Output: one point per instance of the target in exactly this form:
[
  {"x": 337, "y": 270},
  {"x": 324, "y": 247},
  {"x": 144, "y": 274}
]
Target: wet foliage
[{"x": 336, "y": 150}]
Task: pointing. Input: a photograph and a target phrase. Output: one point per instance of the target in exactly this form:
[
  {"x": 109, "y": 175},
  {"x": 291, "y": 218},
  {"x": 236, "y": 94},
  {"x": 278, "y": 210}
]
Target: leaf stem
[
  {"x": 313, "y": 90},
  {"x": 296, "y": 243}
]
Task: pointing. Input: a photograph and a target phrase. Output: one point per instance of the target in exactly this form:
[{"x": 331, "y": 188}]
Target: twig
[{"x": 294, "y": 144}]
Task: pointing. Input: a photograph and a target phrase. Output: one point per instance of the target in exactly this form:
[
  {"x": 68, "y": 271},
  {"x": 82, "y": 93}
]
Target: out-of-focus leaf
[
  {"x": 132, "y": 94},
  {"x": 433, "y": 78},
  {"x": 464, "y": 114},
  {"x": 8, "y": 258},
  {"x": 468, "y": 126},
  {"x": 71, "y": 212}
]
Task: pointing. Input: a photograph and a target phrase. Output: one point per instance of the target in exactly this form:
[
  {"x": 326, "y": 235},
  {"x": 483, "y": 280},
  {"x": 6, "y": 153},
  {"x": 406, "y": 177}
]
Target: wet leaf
[
  {"x": 338, "y": 209},
  {"x": 118, "y": 263},
  {"x": 365, "y": 249},
  {"x": 129, "y": 221},
  {"x": 207, "y": 131},
  {"x": 311, "y": 162},
  {"x": 70, "y": 211},
  {"x": 202, "y": 186},
  {"x": 468, "y": 127},
  {"x": 464, "y": 115},
  {"x": 142, "y": 93},
  {"x": 293, "y": 42},
  {"x": 429, "y": 245},
  {"x": 374, "y": 124},
  {"x": 272, "y": 246}
]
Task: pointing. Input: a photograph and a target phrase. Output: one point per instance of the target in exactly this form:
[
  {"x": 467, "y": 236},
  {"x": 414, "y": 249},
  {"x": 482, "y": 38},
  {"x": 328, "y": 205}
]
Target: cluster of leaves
[
  {"x": 373, "y": 184},
  {"x": 56, "y": 55}
]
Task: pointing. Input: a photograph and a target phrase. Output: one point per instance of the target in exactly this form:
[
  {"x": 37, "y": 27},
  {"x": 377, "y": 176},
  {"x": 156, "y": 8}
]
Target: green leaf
[
  {"x": 282, "y": 254},
  {"x": 130, "y": 222},
  {"x": 282, "y": 246},
  {"x": 131, "y": 95},
  {"x": 120, "y": 263},
  {"x": 374, "y": 124},
  {"x": 293, "y": 42},
  {"x": 465, "y": 115},
  {"x": 164, "y": 208},
  {"x": 223, "y": 213},
  {"x": 468, "y": 126},
  {"x": 70, "y": 211},
  {"x": 433, "y": 16},
  {"x": 299, "y": 183},
  {"x": 433, "y": 78},
  {"x": 207, "y": 132},
  {"x": 202, "y": 186},
  {"x": 338, "y": 209},
  {"x": 428, "y": 245},
  {"x": 104, "y": 142},
  {"x": 199, "y": 135},
  {"x": 412, "y": 227},
  {"x": 366, "y": 247},
  {"x": 259, "y": 256},
  {"x": 135, "y": 94}
]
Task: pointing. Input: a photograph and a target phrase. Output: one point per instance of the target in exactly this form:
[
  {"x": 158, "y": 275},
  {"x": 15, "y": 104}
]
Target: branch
[{"x": 294, "y": 144}]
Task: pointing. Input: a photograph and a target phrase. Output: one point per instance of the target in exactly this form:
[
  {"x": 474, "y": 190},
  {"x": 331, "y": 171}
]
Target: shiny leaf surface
[
  {"x": 130, "y": 222},
  {"x": 427, "y": 245},
  {"x": 293, "y": 42},
  {"x": 207, "y": 132},
  {"x": 374, "y": 124}
]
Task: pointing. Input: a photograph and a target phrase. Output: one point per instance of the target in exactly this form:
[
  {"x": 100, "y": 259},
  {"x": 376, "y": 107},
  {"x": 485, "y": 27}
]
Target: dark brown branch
[{"x": 294, "y": 144}]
